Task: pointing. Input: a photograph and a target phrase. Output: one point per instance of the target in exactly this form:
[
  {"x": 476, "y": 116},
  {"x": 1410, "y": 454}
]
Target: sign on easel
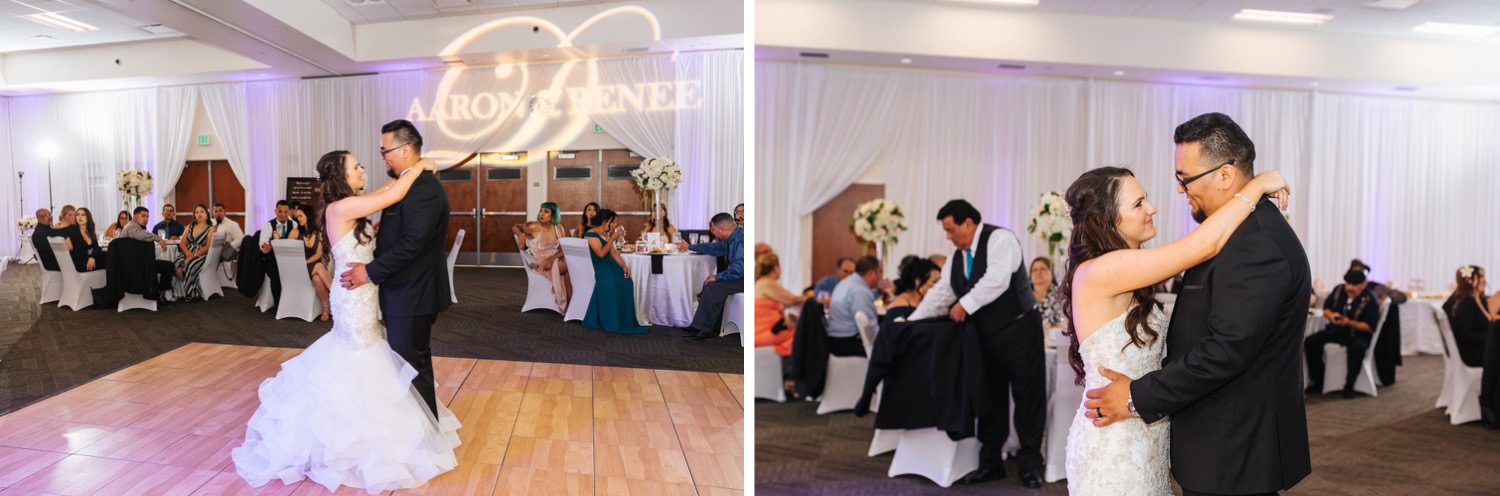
[{"x": 304, "y": 190}]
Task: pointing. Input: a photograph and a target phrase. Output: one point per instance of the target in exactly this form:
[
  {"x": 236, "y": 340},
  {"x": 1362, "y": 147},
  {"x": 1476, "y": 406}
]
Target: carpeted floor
[
  {"x": 45, "y": 349},
  {"x": 1395, "y": 444}
]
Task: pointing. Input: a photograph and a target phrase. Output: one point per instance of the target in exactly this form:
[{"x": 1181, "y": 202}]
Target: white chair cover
[
  {"x": 1462, "y": 381},
  {"x": 51, "y": 281},
  {"x": 581, "y": 272},
  {"x": 208, "y": 278},
  {"x": 1433, "y": 312},
  {"x": 1335, "y": 365},
  {"x": 265, "y": 299},
  {"x": 846, "y": 375},
  {"x": 538, "y": 287},
  {"x": 458, "y": 240},
  {"x": 734, "y": 317},
  {"x": 884, "y": 441},
  {"x": 77, "y": 288},
  {"x": 768, "y": 384},
  {"x": 929, "y": 453},
  {"x": 1062, "y": 409},
  {"x": 298, "y": 298}
]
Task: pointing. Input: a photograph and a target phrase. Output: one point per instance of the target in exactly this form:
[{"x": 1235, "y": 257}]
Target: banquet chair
[
  {"x": 734, "y": 317},
  {"x": 1461, "y": 381},
  {"x": 1062, "y": 410},
  {"x": 768, "y": 383},
  {"x": 1335, "y": 365},
  {"x": 581, "y": 272},
  {"x": 208, "y": 279},
  {"x": 77, "y": 287},
  {"x": 458, "y": 240},
  {"x": 930, "y": 453},
  {"x": 52, "y": 282},
  {"x": 538, "y": 287},
  {"x": 265, "y": 298},
  {"x": 298, "y": 298},
  {"x": 1445, "y": 396},
  {"x": 846, "y": 374}
]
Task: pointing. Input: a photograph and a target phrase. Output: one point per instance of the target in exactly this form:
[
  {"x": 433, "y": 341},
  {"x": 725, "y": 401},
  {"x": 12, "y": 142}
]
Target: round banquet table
[{"x": 671, "y": 297}]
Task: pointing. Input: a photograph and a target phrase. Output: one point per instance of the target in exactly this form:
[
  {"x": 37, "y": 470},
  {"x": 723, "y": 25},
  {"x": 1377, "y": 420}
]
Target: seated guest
[
  {"x": 83, "y": 242},
  {"x": 718, "y": 287},
  {"x": 192, "y": 250},
  {"x": 1381, "y": 290},
  {"x": 1387, "y": 351},
  {"x": 39, "y": 240},
  {"x": 852, "y": 296},
  {"x": 163, "y": 268},
  {"x": 739, "y": 215},
  {"x": 312, "y": 248},
  {"x": 549, "y": 217},
  {"x": 233, "y": 234},
  {"x": 69, "y": 214},
  {"x": 842, "y": 268},
  {"x": 546, "y": 249},
  {"x": 118, "y": 227},
  {"x": 1044, "y": 289},
  {"x": 773, "y": 327},
  {"x": 168, "y": 224},
  {"x": 1352, "y": 312},
  {"x": 666, "y": 230},
  {"x": 281, "y": 227},
  {"x": 1473, "y": 328},
  {"x": 939, "y": 259},
  {"x": 612, "y": 308},
  {"x": 587, "y": 218},
  {"x": 916, "y": 277},
  {"x": 762, "y": 249}
]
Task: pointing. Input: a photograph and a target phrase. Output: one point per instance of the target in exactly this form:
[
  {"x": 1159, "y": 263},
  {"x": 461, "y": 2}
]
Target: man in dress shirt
[
  {"x": 233, "y": 234},
  {"x": 39, "y": 236},
  {"x": 169, "y": 223},
  {"x": 719, "y": 287},
  {"x": 842, "y": 268},
  {"x": 1353, "y": 311},
  {"x": 852, "y": 296},
  {"x": 986, "y": 288},
  {"x": 136, "y": 229},
  {"x": 280, "y": 227}
]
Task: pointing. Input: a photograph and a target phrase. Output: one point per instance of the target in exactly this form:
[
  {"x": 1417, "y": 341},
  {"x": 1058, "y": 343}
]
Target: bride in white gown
[
  {"x": 1116, "y": 323},
  {"x": 344, "y": 412}
]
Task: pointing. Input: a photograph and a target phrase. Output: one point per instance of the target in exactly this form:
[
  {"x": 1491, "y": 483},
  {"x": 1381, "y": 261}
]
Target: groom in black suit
[
  {"x": 1232, "y": 379},
  {"x": 410, "y": 264}
]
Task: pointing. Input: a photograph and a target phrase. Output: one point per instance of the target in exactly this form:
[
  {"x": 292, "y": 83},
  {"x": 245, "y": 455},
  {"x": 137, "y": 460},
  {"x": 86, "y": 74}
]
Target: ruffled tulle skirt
[{"x": 346, "y": 414}]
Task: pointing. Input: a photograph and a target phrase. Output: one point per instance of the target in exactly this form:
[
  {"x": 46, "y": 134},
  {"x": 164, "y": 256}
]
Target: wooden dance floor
[{"x": 166, "y": 427}]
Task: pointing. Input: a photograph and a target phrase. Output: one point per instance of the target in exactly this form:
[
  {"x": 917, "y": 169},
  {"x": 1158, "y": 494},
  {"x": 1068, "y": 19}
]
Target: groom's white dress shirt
[{"x": 1004, "y": 255}]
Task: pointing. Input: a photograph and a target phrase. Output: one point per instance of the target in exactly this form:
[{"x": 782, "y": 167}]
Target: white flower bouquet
[
  {"x": 26, "y": 224},
  {"x": 656, "y": 175},
  {"x": 134, "y": 184},
  {"x": 1050, "y": 223},
  {"x": 880, "y": 222}
]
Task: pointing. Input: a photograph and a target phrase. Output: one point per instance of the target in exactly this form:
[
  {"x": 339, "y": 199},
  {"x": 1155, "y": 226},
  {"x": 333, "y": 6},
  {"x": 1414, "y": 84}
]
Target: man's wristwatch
[{"x": 1130, "y": 405}]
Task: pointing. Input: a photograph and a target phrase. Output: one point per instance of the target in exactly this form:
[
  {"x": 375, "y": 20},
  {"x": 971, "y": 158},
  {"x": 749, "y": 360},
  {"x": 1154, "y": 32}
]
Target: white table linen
[
  {"x": 1419, "y": 331},
  {"x": 671, "y": 297}
]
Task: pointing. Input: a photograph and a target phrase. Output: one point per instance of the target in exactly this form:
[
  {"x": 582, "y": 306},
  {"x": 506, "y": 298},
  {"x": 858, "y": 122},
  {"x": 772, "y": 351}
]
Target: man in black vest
[{"x": 988, "y": 281}]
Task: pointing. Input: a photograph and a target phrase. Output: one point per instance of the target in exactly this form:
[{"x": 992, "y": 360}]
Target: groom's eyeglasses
[
  {"x": 1184, "y": 181},
  {"x": 384, "y": 151}
]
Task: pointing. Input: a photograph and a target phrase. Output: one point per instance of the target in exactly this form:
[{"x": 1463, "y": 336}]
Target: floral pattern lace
[
  {"x": 356, "y": 311},
  {"x": 1129, "y": 457}
]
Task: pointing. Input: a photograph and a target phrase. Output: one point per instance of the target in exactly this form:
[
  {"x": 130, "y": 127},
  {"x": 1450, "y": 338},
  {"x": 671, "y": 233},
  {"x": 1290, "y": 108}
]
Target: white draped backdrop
[
  {"x": 275, "y": 129},
  {"x": 1405, "y": 185}
]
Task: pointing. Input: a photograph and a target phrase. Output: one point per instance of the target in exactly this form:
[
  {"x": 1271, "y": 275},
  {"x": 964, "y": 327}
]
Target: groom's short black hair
[
  {"x": 405, "y": 133},
  {"x": 1222, "y": 140},
  {"x": 960, "y": 210}
]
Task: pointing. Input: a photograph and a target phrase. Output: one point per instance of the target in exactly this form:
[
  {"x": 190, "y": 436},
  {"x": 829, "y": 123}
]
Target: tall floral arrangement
[
  {"x": 134, "y": 184},
  {"x": 656, "y": 175},
  {"x": 1050, "y": 223},
  {"x": 879, "y": 222},
  {"x": 26, "y": 224}
]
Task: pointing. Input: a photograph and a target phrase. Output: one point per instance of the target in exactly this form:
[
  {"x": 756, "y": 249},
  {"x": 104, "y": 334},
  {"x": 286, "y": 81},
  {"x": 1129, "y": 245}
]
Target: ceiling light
[
  {"x": 905, "y": 60},
  {"x": 363, "y": 3},
  {"x": 1119, "y": 73},
  {"x": 158, "y": 29},
  {"x": 42, "y": 38},
  {"x": 60, "y": 21},
  {"x": 1392, "y": 4},
  {"x": 1019, "y": 3},
  {"x": 1282, "y": 17},
  {"x": 1473, "y": 30},
  {"x": 1012, "y": 67}
]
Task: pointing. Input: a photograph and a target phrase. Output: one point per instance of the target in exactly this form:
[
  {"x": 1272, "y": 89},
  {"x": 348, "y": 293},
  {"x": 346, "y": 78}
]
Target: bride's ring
[{"x": 1098, "y": 413}]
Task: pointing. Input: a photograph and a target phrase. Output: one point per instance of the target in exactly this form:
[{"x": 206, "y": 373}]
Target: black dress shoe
[
  {"x": 1031, "y": 478},
  {"x": 1349, "y": 393},
  {"x": 700, "y": 336},
  {"x": 1313, "y": 389},
  {"x": 984, "y": 474}
]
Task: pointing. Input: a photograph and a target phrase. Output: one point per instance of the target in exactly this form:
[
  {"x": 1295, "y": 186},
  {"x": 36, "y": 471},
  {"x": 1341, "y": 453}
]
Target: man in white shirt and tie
[
  {"x": 986, "y": 288},
  {"x": 233, "y": 234}
]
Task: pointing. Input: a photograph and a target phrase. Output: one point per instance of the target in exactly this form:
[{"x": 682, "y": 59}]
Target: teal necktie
[{"x": 968, "y": 263}]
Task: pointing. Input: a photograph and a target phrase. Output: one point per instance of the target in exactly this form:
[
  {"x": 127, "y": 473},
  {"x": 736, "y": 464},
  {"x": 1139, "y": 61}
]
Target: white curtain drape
[
  {"x": 12, "y": 208},
  {"x": 228, "y": 112},
  {"x": 648, "y": 134},
  {"x": 175, "y": 110},
  {"x": 1370, "y": 175},
  {"x": 710, "y": 144}
]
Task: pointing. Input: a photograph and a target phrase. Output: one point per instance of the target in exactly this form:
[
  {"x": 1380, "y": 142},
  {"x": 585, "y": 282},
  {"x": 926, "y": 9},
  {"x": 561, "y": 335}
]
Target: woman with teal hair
[{"x": 542, "y": 237}]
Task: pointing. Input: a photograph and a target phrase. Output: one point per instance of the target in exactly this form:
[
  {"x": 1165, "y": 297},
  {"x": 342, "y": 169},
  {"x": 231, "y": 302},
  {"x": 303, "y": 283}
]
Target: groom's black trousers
[
  {"x": 1014, "y": 359},
  {"x": 410, "y": 337}
]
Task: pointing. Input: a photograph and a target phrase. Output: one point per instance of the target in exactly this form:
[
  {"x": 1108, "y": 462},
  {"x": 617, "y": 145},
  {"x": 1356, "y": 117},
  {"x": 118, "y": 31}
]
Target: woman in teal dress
[{"x": 612, "y": 307}]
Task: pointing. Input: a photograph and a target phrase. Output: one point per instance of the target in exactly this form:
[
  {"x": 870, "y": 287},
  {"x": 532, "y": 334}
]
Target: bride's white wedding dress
[
  {"x": 344, "y": 412},
  {"x": 1129, "y": 457}
]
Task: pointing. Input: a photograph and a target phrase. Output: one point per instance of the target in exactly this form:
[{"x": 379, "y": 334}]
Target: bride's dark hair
[
  {"x": 334, "y": 183},
  {"x": 1092, "y": 199}
]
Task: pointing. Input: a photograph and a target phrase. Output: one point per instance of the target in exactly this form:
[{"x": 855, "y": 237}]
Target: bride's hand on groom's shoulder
[{"x": 1272, "y": 185}]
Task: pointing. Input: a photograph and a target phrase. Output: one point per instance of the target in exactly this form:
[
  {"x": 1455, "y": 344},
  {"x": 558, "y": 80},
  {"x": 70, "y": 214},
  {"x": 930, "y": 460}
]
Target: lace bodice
[
  {"x": 1129, "y": 457},
  {"x": 356, "y": 312}
]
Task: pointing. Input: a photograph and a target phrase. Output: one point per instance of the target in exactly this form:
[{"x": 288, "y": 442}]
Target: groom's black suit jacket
[
  {"x": 410, "y": 260},
  {"x": 1232, "y": 379}
]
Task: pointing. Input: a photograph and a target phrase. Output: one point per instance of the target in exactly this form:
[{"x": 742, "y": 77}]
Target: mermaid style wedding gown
[
  {"x": 1129, "y": 457},
  {"x": 344, "y": 412}
]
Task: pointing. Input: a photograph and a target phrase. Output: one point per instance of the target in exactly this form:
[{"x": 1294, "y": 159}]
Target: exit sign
[
  {"x": 598, "y": 129},
  {"x": 202, "y": 139}
]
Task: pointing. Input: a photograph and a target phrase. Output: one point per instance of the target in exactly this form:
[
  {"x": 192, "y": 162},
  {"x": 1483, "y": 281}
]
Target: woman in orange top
[{"x": 771, "y": 300}]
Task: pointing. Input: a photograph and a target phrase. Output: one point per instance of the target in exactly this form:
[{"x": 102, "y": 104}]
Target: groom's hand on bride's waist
[
  {"x": 355, "y": 276},
  {"x": 1110, "y": 401}
]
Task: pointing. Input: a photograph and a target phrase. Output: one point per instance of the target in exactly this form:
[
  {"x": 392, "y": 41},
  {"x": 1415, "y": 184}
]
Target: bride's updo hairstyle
[
  {"x": 1094, "y": 206},
  {"x": 334, "y": 182}
]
